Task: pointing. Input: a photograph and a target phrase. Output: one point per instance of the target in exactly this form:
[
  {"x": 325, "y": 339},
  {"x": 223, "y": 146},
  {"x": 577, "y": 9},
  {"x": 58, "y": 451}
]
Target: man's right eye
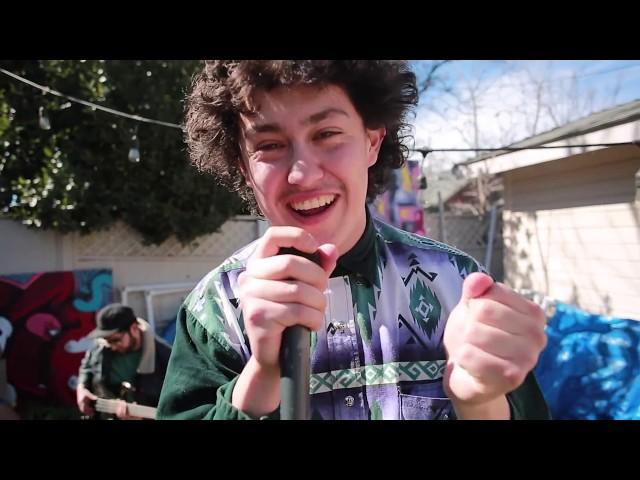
[{"x": 266, "y": 147}]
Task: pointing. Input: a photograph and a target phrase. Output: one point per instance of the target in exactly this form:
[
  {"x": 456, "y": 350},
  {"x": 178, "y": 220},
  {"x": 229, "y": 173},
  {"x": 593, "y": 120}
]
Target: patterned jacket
[{"x": 380, "y": 354}]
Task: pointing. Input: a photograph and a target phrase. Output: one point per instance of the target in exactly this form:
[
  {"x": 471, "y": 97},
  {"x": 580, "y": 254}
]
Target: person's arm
[
  {"x": 201, "y": 375},
  {"x": 524, "y": 403},
  {"x": 278, "y": 291},
  {"x": 527, "y": 401},
  {"x": 84, "y": 396},
  {"x": 493, "y": 339},
  {"x": 206, "y": 377},
  {"x": 496, "y": 409}
]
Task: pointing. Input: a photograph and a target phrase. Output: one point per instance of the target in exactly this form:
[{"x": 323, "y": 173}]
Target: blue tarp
[{"x": 590, "y": 368}]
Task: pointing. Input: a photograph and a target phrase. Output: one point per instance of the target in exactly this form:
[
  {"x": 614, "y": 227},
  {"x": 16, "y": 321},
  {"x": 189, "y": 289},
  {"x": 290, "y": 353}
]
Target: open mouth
[{"x": 313, "y": 206}]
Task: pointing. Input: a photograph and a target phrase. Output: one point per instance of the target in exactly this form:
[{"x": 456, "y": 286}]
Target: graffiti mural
[
  {"x": 45, "y": 318},
  {"x": 400, "y": 204}
]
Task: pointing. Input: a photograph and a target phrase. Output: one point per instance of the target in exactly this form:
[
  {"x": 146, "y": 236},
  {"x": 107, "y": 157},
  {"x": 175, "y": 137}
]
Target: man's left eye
[{"x": 328, "y": 134}]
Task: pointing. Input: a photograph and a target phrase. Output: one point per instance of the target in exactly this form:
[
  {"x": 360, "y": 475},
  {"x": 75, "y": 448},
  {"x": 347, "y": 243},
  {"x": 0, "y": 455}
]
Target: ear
[
  {"x": 134, "y": 328},
  {"x": 242, "y": 164},
  {"x": 376, "y": 136}
]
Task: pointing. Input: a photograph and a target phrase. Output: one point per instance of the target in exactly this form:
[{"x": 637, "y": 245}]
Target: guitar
[{"x": 105, "y": 405}]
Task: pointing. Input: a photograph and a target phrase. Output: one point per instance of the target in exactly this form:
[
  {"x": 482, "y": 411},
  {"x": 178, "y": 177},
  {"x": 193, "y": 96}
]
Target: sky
[{"x": 513, "y": 100}]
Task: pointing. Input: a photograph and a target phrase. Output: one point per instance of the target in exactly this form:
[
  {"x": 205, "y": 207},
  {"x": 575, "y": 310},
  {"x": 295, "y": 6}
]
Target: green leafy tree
[{"x": 77, "y": 175}]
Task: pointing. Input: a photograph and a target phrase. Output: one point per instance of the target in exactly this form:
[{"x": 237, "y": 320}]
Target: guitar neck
[{"x": 110, "y": 406}]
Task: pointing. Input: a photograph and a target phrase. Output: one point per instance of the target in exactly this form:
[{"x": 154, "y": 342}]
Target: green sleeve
[
  {"x": 200, "y": 376},
  {"x": 85, "y": 374},
  {"x": 527, "y": 402}
]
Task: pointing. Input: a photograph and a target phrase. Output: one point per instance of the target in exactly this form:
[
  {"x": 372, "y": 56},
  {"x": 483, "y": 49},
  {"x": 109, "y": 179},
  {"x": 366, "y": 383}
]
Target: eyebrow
[
  {"x": 318, "y": 117},
  {"x": 314, "y": 118}
]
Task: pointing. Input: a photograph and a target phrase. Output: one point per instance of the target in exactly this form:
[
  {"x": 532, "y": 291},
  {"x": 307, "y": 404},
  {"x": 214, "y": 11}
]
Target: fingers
[
  {"x": 278, "y": 237},
  {"x": 264, "y": 315},
  {"x": 265, "y": 263},
  {"x": 86, "y": 409},
  {"x": 121, "y": 409},
  {"x": 502, "y": 317},
  {"x": 287, "y": 267},
  {"x": 285, "y": 291},
  {"x": 84, "y": 405},
  {"x": 329, "y": 257},
  {"x": 475, "y": 285},
  {"x": 481, "y": 286},
  {"x": 521, "y": 349},
  {"x": 487, "y": 372}
]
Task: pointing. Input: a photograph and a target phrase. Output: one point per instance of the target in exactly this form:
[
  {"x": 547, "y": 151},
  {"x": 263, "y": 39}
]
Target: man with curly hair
[{"x": 403, "y": 327}]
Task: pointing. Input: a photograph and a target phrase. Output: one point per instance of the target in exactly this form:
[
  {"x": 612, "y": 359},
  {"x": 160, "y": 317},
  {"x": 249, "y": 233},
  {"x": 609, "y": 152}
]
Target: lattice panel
[
  {"x": 122, "y": 241},
  {"x": 463, "y": 231}
]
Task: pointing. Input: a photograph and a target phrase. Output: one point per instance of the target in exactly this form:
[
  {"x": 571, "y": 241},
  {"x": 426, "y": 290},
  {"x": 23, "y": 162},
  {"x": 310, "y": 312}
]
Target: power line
[
  {"x": 90, "y": 104},
  {"x": 575, "y": 76},
  {"x": 426, "y": 151},
  {"x": 608, "y": 70},
  {"x": 522, "y": 83}
]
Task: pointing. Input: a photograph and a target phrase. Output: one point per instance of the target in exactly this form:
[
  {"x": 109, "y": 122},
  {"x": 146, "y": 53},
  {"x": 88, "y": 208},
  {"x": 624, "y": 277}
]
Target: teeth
[{"x": 317, "y": 202}]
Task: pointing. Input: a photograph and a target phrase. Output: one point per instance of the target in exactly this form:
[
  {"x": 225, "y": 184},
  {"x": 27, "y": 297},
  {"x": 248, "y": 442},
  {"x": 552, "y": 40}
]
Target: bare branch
[{"x": 431, "y": 77}]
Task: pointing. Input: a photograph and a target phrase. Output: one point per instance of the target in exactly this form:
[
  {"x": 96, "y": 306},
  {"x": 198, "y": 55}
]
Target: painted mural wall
[
  {"x": 400, "y": 204},
  {"x": 44, "y": 321}
]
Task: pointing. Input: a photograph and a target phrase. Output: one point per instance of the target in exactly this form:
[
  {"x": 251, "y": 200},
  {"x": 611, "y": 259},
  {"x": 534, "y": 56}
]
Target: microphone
[{"x": 295, "y": 368}]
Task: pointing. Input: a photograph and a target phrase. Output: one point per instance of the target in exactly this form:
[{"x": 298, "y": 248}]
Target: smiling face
[{"x": 305, "y": 154}]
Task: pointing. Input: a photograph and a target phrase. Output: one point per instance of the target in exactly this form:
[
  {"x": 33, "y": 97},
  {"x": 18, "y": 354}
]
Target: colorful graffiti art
[
  {"x": 400, "y": 205},
  {"x": 45, "y": 319}
]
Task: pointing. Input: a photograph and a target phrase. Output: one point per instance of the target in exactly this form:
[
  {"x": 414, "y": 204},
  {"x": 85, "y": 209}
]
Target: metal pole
[
  {"x": 443, "y": 233},
  {"x": 492, "y": 231}
]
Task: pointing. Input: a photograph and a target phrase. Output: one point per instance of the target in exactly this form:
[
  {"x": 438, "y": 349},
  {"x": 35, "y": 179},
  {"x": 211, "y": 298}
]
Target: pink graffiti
[{"x": 44, "y": 325}]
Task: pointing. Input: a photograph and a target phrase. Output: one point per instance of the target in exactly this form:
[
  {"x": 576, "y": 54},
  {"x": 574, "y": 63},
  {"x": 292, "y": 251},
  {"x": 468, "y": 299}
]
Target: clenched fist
[{"x": 493, "y": 339}]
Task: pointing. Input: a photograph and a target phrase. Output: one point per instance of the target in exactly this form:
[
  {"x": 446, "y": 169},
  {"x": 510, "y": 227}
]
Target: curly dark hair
[{"x": 382, "y": 92}]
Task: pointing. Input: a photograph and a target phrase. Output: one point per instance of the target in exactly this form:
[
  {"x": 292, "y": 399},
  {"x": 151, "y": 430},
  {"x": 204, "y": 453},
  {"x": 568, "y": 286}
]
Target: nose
[{"x": 306, "y": 167}]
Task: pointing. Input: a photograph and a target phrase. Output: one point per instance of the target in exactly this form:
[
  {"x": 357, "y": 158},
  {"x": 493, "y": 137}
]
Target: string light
[
  {"x": 43, "y": 119},
  {"x": 134, "y": 151},
  {"x": 90, "y": 104}
]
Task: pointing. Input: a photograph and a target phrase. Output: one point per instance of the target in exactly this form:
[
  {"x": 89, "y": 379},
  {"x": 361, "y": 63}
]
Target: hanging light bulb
[
  {"x": 134, "y": 151},
  {"x": 43, "y": 119}
]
